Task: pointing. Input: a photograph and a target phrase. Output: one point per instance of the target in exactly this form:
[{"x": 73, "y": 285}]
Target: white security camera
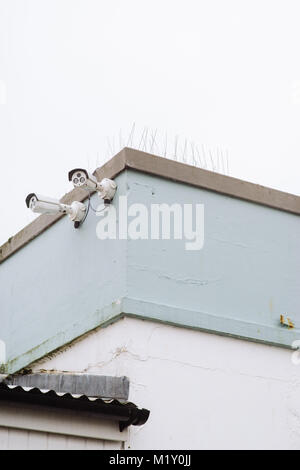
[
  {"x": 46, "y": 205},
  {"x": 43, "y": 204},
  {"x": 83, "y": 179}
]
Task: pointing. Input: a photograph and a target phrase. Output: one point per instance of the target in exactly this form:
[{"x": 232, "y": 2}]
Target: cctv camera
[
  {"x": 42, "y": 204},
  {"x": 83, "y": 179},
  {"x": 47, "y": 205}
]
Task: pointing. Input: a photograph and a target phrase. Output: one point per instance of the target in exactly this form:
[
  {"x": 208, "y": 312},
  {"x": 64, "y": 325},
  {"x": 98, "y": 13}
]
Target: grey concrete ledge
[
  {"x": 165, "y": 168},
  {"x": 82, "y": 384}
]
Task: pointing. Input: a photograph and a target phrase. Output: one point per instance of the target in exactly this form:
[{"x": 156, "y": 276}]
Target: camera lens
[{"x": 32, "y": 203}]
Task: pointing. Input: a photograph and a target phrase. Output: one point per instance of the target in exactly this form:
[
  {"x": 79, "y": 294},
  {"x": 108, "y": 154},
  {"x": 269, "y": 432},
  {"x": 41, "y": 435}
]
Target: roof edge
[
  {"x": 126, "y": 414},
  {"x": 165, "y": 168},
  {"x": 210, "y": 180},
  {"x": 100, "y": 386},
  {"x": 109, "y": 170}
]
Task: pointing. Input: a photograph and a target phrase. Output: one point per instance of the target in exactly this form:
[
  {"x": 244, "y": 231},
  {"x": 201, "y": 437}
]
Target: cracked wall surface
[
  {"x": 62, "y": 284},
  {"x": 204, "y": 391},
  {"x": 67, "y": 282},
  {"x": 246, "y": 275}
]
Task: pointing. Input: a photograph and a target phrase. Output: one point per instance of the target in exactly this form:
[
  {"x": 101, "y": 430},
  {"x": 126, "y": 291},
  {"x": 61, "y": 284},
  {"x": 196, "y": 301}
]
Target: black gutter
[{"x": 125, "y": 413}]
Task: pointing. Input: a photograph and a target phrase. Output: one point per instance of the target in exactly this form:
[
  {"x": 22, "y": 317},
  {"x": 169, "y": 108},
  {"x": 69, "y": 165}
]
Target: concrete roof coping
[
  {"x": 165, "y": 168},
  {"x": 82, "y": 384}
]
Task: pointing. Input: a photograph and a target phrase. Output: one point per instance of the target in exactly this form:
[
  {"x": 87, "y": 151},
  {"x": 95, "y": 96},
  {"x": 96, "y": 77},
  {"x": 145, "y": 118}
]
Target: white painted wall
[
  {"x": 26, "y": 426},
  {"x": 87, "y": 429},
  {"x": 204, "y": 391},
  {"x": 21, "y": 439}
]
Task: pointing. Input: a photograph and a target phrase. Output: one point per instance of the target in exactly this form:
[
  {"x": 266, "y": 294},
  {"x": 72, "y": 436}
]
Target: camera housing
[
  {"x": 81, "y": 178},
  {"x": 46, "y": 205},
  {"x": 107, "y": 189},
  {"x": 42, "y": 204}
]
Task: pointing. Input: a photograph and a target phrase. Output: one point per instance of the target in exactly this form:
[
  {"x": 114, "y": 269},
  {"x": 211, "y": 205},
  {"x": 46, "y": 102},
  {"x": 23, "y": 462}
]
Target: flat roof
[{"x": 165, "y": 168}]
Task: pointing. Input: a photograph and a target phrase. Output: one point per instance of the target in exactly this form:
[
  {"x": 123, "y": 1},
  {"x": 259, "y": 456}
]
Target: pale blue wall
[
  {"x": 67, "y": 282},
  {"x": 246, "y": 275},
  {"x": 62, "y": 284}
]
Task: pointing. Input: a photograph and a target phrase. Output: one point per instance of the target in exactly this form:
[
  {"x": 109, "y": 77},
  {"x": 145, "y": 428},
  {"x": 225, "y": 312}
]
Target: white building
[{"x": 202, "y": 339}]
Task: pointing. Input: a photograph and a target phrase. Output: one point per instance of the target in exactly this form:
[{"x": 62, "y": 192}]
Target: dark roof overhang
[{"x": 125, "y": 413}]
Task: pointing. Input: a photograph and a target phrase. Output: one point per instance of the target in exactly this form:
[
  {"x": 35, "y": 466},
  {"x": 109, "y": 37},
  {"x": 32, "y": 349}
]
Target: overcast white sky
[{"x": 222, "y": 73}]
